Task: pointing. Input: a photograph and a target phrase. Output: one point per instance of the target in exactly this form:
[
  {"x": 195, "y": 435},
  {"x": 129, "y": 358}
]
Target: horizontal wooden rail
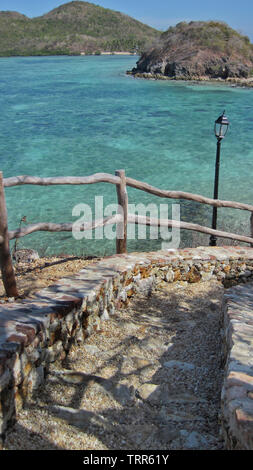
[
  {"x": 132, "y": 219},
  {"x": 26, "y": 179},
  {"x": 143, "y": 220},
  {"x": 68, "y": 227},
  {"x": 108, "y": 178},
  {"x": 189, "y": 196}
]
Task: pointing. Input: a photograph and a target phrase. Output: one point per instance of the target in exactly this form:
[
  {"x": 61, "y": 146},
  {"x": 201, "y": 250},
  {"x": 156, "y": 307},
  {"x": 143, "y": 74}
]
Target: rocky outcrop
[
  {"x": 198, "y": 50},
  {"x": 25, "y": 256}
]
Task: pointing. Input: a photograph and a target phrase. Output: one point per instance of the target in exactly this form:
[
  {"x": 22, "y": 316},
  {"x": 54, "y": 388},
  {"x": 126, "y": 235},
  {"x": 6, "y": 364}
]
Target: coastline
[
  {"x": 81, "y": 54},
  {"x": 108, "y": 53},
  {"x": 234, "y": 82}
]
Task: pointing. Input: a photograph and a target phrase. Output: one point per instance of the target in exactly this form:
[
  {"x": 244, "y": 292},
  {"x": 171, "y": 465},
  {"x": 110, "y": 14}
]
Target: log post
[
  {"x": 8, "y": 275},
  {"x": 121, "y": 232},
  {"x": 251, "y": 227}
]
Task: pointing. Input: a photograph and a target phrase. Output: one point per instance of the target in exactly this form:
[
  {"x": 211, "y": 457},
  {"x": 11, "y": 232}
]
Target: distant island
[
  {"x": 72, "y": 29},
  {"x": 198, "y": 50}
]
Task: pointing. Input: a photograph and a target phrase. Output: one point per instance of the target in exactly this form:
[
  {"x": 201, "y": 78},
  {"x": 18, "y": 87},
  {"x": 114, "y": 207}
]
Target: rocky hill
[
  {"x": 198, "y": 50},
  {"x": 72, "y": 28}
]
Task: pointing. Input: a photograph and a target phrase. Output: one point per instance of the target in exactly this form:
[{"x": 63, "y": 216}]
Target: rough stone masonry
[{"x": 36, "y": 332}]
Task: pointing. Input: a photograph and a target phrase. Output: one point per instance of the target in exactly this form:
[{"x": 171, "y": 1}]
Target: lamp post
[{"x": 220, "y": 130}]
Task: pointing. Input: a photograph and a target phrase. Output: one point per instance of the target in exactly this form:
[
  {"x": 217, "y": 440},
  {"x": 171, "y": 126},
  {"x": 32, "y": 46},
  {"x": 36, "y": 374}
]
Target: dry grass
[{"x": 44, "y": 272}]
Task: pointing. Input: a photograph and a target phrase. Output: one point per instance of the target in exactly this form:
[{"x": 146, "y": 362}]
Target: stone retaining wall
[
  {"x": 237, "y": 392},
  {"x": 38, "y": 331}
]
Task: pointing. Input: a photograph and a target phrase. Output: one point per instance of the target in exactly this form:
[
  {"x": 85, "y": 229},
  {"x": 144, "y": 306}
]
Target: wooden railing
[{"x": 122, "y": 218}]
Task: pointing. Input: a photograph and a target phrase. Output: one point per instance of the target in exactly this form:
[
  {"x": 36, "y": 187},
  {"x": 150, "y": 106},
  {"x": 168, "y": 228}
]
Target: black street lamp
[{"x": 220, "y": 130}]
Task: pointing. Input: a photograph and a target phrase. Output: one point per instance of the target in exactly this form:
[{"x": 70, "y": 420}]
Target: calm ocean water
[{"x": 80, "y": 115}]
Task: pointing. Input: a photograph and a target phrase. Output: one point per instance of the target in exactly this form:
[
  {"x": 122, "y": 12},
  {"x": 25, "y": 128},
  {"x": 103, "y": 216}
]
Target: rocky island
[
  {"x": 198, "y": 50},
  {"x": 73, "y": 28}
]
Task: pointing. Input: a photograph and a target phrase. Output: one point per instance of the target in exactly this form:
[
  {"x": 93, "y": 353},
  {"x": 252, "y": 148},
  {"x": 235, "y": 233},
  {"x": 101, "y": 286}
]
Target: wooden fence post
[
  {"x": 121, "y": 238},
  {"x": 251, "y": 227},
  {"x": 8, "y": 275}
]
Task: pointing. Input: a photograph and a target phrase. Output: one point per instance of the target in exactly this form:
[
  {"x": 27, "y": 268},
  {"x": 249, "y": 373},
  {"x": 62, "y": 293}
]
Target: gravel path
[{"x": 150, "y": 380}]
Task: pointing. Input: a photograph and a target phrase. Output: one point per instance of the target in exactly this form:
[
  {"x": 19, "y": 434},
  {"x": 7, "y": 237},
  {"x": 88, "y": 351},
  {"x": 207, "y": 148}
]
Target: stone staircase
[
  {"x": 39, "y": 336},
  {"x": 150, "y": 380}
]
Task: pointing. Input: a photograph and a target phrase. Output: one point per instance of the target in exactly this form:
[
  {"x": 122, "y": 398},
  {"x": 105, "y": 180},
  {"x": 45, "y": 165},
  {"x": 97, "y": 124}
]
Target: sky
[{"x": 157, "y": 13}]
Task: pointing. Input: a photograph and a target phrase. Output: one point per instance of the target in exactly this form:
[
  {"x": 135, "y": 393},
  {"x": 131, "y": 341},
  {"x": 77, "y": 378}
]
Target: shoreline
[
  {"x": 233, "y": 82},
  {"x": 81, "y": 54}
]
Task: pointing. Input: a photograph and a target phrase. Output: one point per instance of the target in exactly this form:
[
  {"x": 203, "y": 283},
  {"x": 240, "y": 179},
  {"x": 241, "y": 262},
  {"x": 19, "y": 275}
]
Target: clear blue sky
[{"x": 158, "y": 13}]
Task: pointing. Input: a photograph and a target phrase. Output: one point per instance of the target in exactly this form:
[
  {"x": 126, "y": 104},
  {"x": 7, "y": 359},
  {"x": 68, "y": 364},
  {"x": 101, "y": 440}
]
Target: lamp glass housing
[{"x": 221, "y": 126}]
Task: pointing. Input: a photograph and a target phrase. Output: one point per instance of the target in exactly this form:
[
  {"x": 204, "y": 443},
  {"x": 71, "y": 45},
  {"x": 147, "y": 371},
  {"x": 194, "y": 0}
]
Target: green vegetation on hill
[
  {"x": 72, "y": 28},
  {"x": 199, "y": 49},
  {"x": 214, "y": 35}
]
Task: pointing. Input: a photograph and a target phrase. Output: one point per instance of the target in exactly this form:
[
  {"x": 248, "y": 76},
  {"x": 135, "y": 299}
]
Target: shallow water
[{"x": 80, "y": 115}]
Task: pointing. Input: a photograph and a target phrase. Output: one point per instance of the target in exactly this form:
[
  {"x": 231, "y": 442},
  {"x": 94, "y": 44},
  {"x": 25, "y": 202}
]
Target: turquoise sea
[{"x": 80, "y": 115}]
